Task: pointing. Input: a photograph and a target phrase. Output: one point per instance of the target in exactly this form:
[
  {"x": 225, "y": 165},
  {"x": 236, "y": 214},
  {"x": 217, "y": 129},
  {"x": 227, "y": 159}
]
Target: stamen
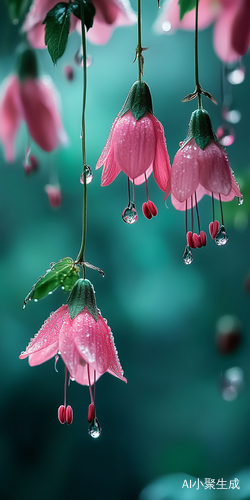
[
  {"x": 221, "y": 211},
  {"x": 192, "y": 214},
  {"x": 61, "y": 414},
  {"x": 91, "y": 413},
  {"x": 186, "y": 218},
  {"x": 146, "y": 182},
  {"x": 69, "y": 415},
  {"x": 128, "y": 192},
  {"x": 65, "y": 385},
  {"x": 197, "y": 213},
  {"x": 90, "y": 388},
  {"x": 213, "y": 205},
  {"x": 94, "y": 383},
  {"x": 133, "y": 190}
]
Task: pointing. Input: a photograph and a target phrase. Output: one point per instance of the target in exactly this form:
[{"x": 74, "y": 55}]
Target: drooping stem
[
  {"x": 80, "y": 257},
  {"x": 197, "y": 84},
  {"x": 139, "y": 47}
]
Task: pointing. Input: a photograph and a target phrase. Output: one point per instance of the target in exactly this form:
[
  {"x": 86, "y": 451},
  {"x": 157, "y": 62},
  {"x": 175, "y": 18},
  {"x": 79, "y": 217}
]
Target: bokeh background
[{"x": 181, "y": 413}]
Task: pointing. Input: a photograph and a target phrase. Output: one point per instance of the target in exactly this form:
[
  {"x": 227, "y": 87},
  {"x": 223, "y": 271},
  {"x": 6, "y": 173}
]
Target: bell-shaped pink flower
[
  {"x": 33, "y": 100},
  {"x": 232, "y": 24},
  {"x": 136, "y": 144},
  {"x": 82, "y": 337},
  {"x": 54, "y": 195},
  {"x": 201, "y": 167},
  {"x": 109, "y": 15}
]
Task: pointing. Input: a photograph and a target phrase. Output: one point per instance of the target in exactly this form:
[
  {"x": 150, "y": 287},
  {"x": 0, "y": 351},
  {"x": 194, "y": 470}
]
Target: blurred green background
[{"x": 176, "y": 414}]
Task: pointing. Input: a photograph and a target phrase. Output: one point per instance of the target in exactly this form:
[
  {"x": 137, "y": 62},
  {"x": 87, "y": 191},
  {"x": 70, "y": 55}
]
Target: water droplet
[
  {"x": 232, "y": 383},
  {"x": 226, "y": 135},
  {"x": 241, "y": 200},
  {"x": 129, "y": 214},
  {"x": 166, "y": 26},
  {"x": 231, "y": 116},
  {"x": 89, "y": 175},
  {"x": 79, "y": 59},
  {"x": 35, "y": 300},
  {"x": 187, "y": 256},
  {"x": 221, "y": 237},
  {"x": 236, "y": 73},
  {"x": 95, "y": 429}
]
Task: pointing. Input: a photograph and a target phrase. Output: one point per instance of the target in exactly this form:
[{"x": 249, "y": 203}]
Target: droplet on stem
[
  {"x": 221, "y": 237},
  {"x": 129, "y": 214},
  {"x": 241, "y": 200},
  {"x": 79, "y": 58},
  {"x": 89, "y": 175},
  {"x": 187, "y": 256},
  {"x": 95, "y": 429}
]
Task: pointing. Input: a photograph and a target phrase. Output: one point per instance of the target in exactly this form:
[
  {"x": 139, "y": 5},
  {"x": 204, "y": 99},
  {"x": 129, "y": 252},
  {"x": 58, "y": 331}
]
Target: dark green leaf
[
  {"x": 64, "y": 273},
  {"x": 200, "y": 128},
  {"x": 139, "y": 101},
  {"x": 82, "y": 295},
  {"x": 17, "y": 8},
  {"x": 88, "y": 12},
  {"x": 186, "y": 6},
  {"x": 57, "y": 26}
]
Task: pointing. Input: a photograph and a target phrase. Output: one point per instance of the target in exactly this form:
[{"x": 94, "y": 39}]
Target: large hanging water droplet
[
  {"x": 95, "y": 429},
  {"x": 221, "y": 237},
  {"x": 235, "y": 73},
  {"x": 89, "y": 175},
  {"x": 129, "y": 214},
  {"x": 187, "y": 256},
  {"x": 226, "y": 135},
  {"x": 79, "y": 58},
  {"x": 231, "y": 116},
  {"x": 241, "y": 200},
  {"x": 232, "y": 383}
]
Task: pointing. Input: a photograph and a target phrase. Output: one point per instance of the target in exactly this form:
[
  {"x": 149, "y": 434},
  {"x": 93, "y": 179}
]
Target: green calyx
[
  {"x": 26, "y": 62},
  {"x": 139, "y": 101},
  {"x": 82, "y": 295},
  {"x": 200, "y": 127}
]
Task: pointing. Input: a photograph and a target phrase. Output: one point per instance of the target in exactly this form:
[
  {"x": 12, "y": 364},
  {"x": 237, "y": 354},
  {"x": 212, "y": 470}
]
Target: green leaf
[
  {"x": 17, "y": 8},
  {"x": 186, "y": 6},
  {"x": 57, "y": 26},
  {"x": 82, "y": 295},
  {"x": 88, "y": 12},
  {"x": 64, "y": 273},
  {"x": 200, "y": 127},
  {"x": 138, "y": 101}
]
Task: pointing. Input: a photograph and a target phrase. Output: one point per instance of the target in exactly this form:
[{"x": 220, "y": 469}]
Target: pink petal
[
  {"x": 37, "y": 13},
  {"x": 109, "y": 15},
  {"x": 200, "y": 192},
  {"x": 161, "y": 166},
  {"x": 38, "y": 99},
  {"x": 214, "y": 169},
  {"x": 185, "y": 172},
  {"x": 141, "y": 178},
  {"x": 10, "y": 115},
  {"x": 134, "y": 144},
  {"x": 36, "y": 36},
  {"x": 49, "y": 333},
  {"x": 222, "y": 32},
  {"x": 110, "y": 170},
  {"x": 44, "y": 354},
  {"x": 241, "y": 28},
  {"x": 169, "y": 18}
]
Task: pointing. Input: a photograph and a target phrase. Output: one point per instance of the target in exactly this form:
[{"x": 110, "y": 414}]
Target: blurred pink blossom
[
  {"x": 54, "y": 195},
  {"x": 109, "y": 15},
  {"x": 232, "y": 24},
  {"x": 34, "y": 101}
]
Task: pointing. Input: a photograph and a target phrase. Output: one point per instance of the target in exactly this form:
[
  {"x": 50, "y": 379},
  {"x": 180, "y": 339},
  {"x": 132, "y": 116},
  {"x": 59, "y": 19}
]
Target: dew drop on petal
[
  {"x": 187, "y": 256},
  {"x": 89, "y": 175},
  {"x": 226, "y": 135},
  {"x": 95, "y": 429},
  {"x": 221, "y": 237},
  {"x": 129, "y": 214},
  {"x": 241, "y": 200}
]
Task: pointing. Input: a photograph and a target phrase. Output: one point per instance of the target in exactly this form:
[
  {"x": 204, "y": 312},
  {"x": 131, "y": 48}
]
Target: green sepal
[
  {"x": 57, "y": 26},
  {"x": 186, "y": 6},
  {"x": 26, "y": 62},
  {"x": 200, "y": 127},
  {"x": 139, "y": 101},
  {"x": 17, "y": 9},
  {"x": 88, "y": 12},
  {"x": 82, "y": 295},
  {"x": 64, "y": 273}
]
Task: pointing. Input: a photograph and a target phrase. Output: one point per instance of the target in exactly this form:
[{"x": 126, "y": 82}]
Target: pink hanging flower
[
  {"x": 201, "y": 167},
  {"x": 84, "y": 340},
  {"x": 25, "y": 97},
  {"x": 136, "y": 146},
  {"x": 232, "y": 24},
  {"x": 54, "y": 195},
  {"x": 109, "y": 15}
]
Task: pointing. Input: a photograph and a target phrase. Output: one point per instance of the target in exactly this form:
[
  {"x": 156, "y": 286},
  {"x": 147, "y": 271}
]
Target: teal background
[{"x": 170, "y": 417}]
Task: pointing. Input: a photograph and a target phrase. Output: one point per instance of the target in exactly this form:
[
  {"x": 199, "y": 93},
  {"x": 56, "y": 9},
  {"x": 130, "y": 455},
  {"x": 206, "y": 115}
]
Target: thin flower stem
[
  {"x": 129, "y": 199},
  {"x": 213, "y": 205},
  {"x": 197, "y": 213},
  {"x": 139, "y": 47},
  {"x": 65, "y": 386},
  {"x": 221, "y": 211},
  {"x": 197, "y": 84},
  {"x": 80, "y": 257},
  {"x": 90, "y": 388}
]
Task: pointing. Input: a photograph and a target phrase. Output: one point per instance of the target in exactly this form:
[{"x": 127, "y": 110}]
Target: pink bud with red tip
[{"x": 61, "y": 414}]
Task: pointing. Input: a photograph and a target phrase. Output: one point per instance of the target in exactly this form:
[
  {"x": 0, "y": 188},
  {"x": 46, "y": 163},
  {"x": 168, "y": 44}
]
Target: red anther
[
  {"x": 69, "y": 415},
  {"x": 31, "y": 165},
  {"x": 61, "y": 414},
  {"x": 69, "y": 73},
  {"x": 91, "y": 413},
  {"x": 197, "y": 240},
  {"x": 203, "y": 238},
  {"x": 214, "y": 228},
  {"x": 152, "y": 208},
  {"x": 190, "y": 241},
  {"x": 146, "y": 211}
]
